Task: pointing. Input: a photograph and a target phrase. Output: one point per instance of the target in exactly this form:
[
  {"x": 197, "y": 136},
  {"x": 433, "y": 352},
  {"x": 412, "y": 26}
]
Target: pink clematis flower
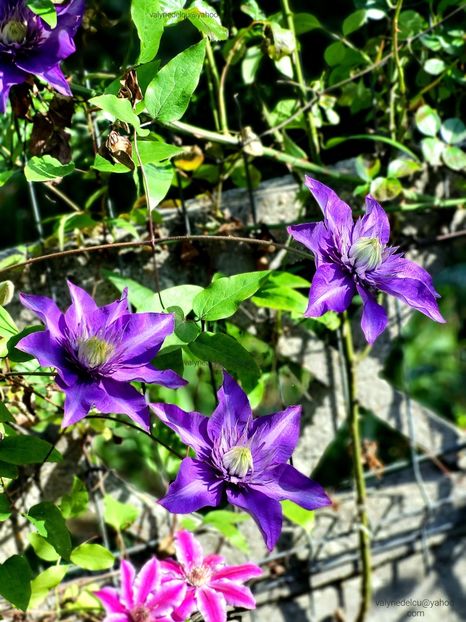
[
  {"x": 210, "y": 584},
  {"x": 142, "y": 597}
]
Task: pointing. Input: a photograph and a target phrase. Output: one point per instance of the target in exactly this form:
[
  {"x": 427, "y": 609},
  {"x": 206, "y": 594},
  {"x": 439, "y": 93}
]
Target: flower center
[
  {"x": 199, "y": 575},
  {"x": 238, "y": 461},
  {"x": 14, "y": 31},
  {"x": 366, "y": 253},
  {"x": 94, "y": 352},
  {"x": 140, "y": 614}
]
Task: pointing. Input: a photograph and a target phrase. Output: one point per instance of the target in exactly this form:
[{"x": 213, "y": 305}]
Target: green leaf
[
  {"x": 147, "y": 18},
  {"x": 434, "y": 66},
  {"x": 385, "y": 188},
  {"x": 354, "y": 21},
  {"x": 159, "y": 179},
  {"x": 226, "y": 522},
  {"x": 119, "y": 515},
  {"x": 50, "y": 524},
  {"x": 229, "y": 354},
  {"x": 401, "y": 167},
  {"x": 144, "y": 299},
  {"x": 92, "y": 557},
  {"x": 15, "y": 581},
  {"x": 168, "y": 95},
  {"x": 427, "y": 120},
  {"x": 454, "y": 158},
  {"x": 44, "y": 582},
  {"x": 45, "y": 9},
  {"x": 46, "y": 168},
  {"x": 453, "y": 131},
  {"x": 223, "y": 297},
  {"x": 250, "y": 64},
  {"x": 7, "y": 290},
  {"x": 119, "y": 108},
  {"x": 410, "y": 23},
  {"x": 5, "y": 509},
  {"x": 335, "y": 53},
  {"x": 8, "y": 470},
  {"x": 5, "y": 414},
  {"x": 105, "y": 166},
  {"x": 280, "y": 298},
  {"x": 201, "y": 16},
  {"x": 76, "y": 502},
  {"x": 42, "y": 548},
  {"x": 5, "y": 177},
  {"x": 152, "y": 151},
  {"x": 432, "y": 149},
  {"x": 21, "y": 449},
  {"x": 305, "y": 22},
  {"x": 7, "y": 324},
  {"x": 298, "y": 515},
  {"x": 18, "y": 356}
]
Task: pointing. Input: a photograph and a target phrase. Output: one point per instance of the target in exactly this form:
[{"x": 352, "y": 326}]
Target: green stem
[
  {"x": 267, "y": 152},
  {"x": 399, "y": 84},
  {"x": 353, "y": 424},
  {"x": 213, "y": 82},
  {"x": 311, "y": 130}
]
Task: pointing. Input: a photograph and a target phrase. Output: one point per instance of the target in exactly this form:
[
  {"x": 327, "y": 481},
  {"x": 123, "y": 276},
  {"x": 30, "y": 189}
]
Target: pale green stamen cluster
[
  {"x": 13, "y": 32},
  {"x": 366, "y": 253},
  {"x": 94, "y": 352},
  {"x": 238, "y": 461}
]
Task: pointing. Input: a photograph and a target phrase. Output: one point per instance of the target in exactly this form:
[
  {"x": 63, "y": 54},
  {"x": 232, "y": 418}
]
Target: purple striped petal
[
  {"x": 142, "y": 334},
  {"x": 211, "y": 604},
  {"x": 128, "y": 574},
  {"x": 191, "y": 427},
  {"x": 9, "y": 76},
  {"x": 374, "y": 224},
  {"x": 147, "y": 373},
  {"x": 148, "y": 580},
  {"x": 45, "y": 348},
  {"x": 235, "y": 594},
  {"x": 168, "y": 598},
  {"x": 286, "y": 482},
  {"x": 331, "y": 290},
  {"x": 79, "y": 399},
  {"x": 374, "y": 317},
  {"x": 46, "y": 309},
  {"x": 279, "y": 432},
  {"x": 337, "y": 213},
  {"x": 266, "y": 512},
  {"x": 312, "y": 235},
  {"x": 81, "y": 308},
  {"x": 122, "y": 398},
  {"x": 233, "y": 411},
  {"x": 187, "y": 607},
  {"x": 196, "y": 486}
]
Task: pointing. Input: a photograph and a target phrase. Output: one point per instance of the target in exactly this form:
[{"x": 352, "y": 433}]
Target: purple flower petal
[
  {"x": 337, "y": 213},
  {"x": 311, "y": 235},
  {"x": 169, "y": 597},
  {"x": 412, "y": 284},
  {"x": 128, "y": 574},
  {"x": 211, "y": 604},
  {"x": 331, "y": 290},
  {"x": 188, "y": 549},
  {"x": 82, "y": 307},
  {"x": 233, "y": 411},
  {"x": 46, "y": 309},
  {"x": 374, "y": 224},
  {"x": 9, "y": 76},
  {"x": 79, "y": 400},
  {"x": 187, "y": 607},
  {"x": 286, "y": 482},
  {"x": 147, "y": 373},
  {"x": 266, "y": 512},
  {"x": 121, "y": 398},
  {"x": 44, "y": 347},
  {"x": 235, "y": 594},
  {"x": 110, "y": 600},
  {"x": 56, "y": 78},
  {"x": 142, "y": 334},
  {"x": 191, "y": 427},
  {"x": 171, "y": 570},
  {"x": 117, "y": 617},
  {"x": 242, "y": 572},
  {"x": 148, "y": 580},
  {"x": 279, "y": 432},
  {"x": 374, "y": 317},
  {"x": 196, "y": 486}
]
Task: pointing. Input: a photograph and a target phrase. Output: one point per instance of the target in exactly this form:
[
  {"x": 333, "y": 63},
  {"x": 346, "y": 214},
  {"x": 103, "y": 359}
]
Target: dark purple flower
[
  {"x": 98, "y": 351},
  {"x": 353, "y": 257},
  {"x": 245, "y": 458},
  {"x": 143, "y": 597},
  {"x": 210, "y": 583},
  {"x": 30, "y": 47}
]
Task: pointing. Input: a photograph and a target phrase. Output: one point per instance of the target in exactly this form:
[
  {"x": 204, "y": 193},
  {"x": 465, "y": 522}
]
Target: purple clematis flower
[
  {"x": 242, "y": 457},
  {"x": 30, "y": 47},
  {"x": 210, "y": 584},
  {"x": 98, "y": 351},
  {"x": 143, "y": 597},
  {"x": 353, "y": 257}
]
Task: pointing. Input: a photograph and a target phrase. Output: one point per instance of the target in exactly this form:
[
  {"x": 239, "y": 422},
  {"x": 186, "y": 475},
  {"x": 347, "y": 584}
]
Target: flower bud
[{"x": 366, "y": 253}]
